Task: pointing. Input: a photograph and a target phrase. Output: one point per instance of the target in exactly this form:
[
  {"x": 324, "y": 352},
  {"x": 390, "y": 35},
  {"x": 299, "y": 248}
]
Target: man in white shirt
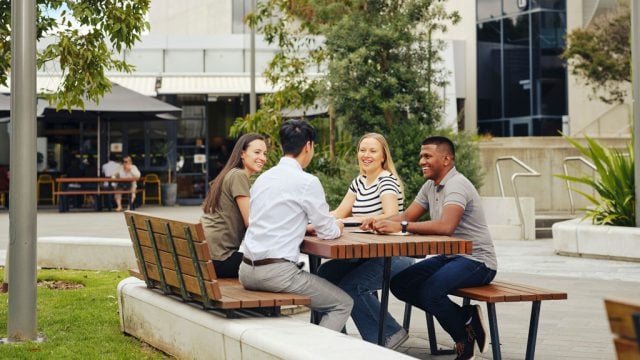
[
  {"x": 109, "y": 168},
  {"x": 283, "y": 200}
]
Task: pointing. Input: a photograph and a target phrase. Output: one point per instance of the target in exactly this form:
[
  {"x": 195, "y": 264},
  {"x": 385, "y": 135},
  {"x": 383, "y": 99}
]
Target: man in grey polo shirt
[{"x": 455, "y": 209}]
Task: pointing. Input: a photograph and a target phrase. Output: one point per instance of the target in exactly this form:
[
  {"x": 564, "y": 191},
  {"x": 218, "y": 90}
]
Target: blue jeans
[
  {"x": 427, "y": 284},
  {"x": 360, "y": 278}
]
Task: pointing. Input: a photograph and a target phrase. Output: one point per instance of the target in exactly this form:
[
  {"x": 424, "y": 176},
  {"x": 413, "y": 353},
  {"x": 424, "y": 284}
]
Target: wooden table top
[
  {"x": 94, "y": 180},
  {"x": 356, "y": 245}
]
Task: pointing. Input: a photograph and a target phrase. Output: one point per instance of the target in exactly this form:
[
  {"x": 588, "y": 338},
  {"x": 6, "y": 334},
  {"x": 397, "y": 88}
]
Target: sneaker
[
  {"x": 394, "y": 341},
  {"x": 479, "y": 330},
  {"x": 465, "y": 349}
]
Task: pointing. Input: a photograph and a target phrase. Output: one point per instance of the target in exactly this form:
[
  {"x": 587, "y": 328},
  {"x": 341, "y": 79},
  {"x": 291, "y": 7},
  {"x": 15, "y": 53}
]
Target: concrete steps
[{"x": 544, "y": 222}]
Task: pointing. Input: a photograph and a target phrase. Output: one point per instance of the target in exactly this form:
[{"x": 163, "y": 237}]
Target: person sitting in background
[
  {"x": 375, "y": 193},
  {"x": 226, "y": 207},
  {"x": 126, "y": 170},
  {"x": 109, "y": 168}
]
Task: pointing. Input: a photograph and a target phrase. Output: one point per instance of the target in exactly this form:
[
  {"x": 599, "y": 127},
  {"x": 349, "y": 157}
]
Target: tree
[
  {"x": 82, "y": 35},
  {"x": 378, "y": 57},
  {"x": 601, "y": 54}
]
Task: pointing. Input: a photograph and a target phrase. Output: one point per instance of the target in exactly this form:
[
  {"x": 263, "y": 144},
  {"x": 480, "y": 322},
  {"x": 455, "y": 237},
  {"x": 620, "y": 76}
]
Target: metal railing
[
  {"x": 530, "y": 173},
  {"x": 566, "y": 173}
]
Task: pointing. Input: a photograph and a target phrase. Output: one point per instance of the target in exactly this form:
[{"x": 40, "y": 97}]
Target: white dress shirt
[{"x": 284, "y": 199}]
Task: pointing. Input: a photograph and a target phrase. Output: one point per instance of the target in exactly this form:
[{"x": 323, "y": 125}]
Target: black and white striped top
[{"x": 368, "y": 201}]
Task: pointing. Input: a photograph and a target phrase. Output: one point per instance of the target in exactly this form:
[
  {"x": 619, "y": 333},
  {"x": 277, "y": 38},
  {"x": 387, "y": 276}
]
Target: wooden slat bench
[
  {"x": 173, "y": 256},
  {"x": 624, "y": 320},
  {"x": 498, "y": 292}
]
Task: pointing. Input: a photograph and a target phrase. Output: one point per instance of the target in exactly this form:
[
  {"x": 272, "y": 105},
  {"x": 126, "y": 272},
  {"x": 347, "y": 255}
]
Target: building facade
[{"x": 506, "y": 80}]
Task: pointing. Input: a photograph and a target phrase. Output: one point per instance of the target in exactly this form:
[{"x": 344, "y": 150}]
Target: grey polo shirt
[{"x": 456, "y": 189}]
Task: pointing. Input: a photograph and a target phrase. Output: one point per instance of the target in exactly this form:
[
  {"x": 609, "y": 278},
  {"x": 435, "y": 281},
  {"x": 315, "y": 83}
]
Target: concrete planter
[{"x": 579, "y": 237}]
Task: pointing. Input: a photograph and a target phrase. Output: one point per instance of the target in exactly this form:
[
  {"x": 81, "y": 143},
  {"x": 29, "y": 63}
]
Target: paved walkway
[{"x": 576, "y": 328}]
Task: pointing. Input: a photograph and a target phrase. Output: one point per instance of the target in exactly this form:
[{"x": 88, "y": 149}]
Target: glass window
[
  {"x": 192, "y": 124},
  {"x": 514, "y": 6},
  {"x": 135, "y": 142},
  {"x": 489, "y": 73},
  {"x": 499, "y": 128},
  {"x": 549, "y": 4},
  {"x": 517, "y": 82},
  {"x": 487, "y": 9},
  {"x": 550, "y": 85},
  {"x": 547, "y": 126},
  {"x": 158, "y": 140}
]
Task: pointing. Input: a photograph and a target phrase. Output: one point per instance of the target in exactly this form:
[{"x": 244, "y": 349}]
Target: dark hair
[
  {"x": 235, "y": 161},
  {"x": 294, "y": 134},
  {"x": 441, "y": 141}
]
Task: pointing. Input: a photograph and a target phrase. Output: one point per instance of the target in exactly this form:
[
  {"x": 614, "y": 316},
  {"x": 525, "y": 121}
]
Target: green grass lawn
[{"x": 77, "y": 323}]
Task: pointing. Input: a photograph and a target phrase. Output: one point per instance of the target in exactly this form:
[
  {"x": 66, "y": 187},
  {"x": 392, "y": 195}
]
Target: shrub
[{"x": 615, "y": 183}]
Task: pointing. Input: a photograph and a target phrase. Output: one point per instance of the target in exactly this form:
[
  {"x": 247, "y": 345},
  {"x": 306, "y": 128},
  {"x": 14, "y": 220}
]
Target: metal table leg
[{"x": 384, "y": 301}]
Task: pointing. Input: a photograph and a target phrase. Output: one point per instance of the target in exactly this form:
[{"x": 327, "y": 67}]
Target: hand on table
[{"x": 384, "y": 226}]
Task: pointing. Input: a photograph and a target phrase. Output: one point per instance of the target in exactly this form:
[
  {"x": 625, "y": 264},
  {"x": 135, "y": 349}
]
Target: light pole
[
  {"x": 635, "y": 78},
  {"x": 22, "y": 195},
  {"x": 252, "y": 65}
]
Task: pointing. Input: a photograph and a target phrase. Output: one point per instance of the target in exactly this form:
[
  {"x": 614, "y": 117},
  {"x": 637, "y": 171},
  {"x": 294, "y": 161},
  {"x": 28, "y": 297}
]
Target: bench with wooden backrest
[
  {"x": 173, "y": 257},
  {"x": 498, "y": 292},
  {"x": 624, "y": 320}
]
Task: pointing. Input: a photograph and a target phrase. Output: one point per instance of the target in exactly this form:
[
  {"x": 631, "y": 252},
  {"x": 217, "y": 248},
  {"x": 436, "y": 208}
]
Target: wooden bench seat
[
  {"x": 499, "y": 292},
  {"x": 624, "y": 320},
  {"x": 177, "y": 261}
]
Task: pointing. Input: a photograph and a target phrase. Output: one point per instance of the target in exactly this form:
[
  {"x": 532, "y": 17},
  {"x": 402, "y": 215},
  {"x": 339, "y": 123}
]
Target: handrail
[
  {"x": 530, "y": 173},
  {"x": 566, "y": 173}
]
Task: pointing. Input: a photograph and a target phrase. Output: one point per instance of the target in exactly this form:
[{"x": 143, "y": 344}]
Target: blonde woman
[{"x": 375, "y": 193}]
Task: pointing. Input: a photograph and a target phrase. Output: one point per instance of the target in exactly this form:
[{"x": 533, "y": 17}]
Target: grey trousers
[{"x": 333, "y": 303}]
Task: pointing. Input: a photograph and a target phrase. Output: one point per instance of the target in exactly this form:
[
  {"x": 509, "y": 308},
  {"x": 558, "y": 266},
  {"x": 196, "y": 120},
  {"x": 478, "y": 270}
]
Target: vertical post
[
  {"x": 252, "y": 65},
  {"x": 635, "y": 78},
  {"x": 22, "y": 215}
]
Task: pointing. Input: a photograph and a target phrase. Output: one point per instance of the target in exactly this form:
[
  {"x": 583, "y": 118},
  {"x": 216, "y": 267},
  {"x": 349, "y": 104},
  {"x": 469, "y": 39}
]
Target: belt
[
  {"x": 248, "y": 261},
  {"x": 263, "y": 261}
]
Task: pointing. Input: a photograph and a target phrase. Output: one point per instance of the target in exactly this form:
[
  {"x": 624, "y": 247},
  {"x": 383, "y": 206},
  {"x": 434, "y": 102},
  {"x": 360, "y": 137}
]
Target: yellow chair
[
  {"x": 46, "y": 180},
  {"x": 2, "y": 201},
  {"x": 151, "y": 178}
]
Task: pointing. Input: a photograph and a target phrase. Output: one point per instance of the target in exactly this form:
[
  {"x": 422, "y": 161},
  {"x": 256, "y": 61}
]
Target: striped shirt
[{"x": 368, "y": 201}]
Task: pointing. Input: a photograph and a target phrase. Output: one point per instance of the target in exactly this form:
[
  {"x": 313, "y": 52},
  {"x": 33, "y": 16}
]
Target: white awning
[
  {"x": 212, "y": 84},
  {"x": 145, "y": 85}
]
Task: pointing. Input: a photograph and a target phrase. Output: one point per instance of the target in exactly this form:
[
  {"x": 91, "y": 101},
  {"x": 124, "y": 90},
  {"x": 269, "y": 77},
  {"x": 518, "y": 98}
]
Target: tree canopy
[
  {"x": 601, "y": 54},
  {"x": 378, "y": 56},
  {"x": 80, "y": 38},
  {"x": 374, "y": 63}
]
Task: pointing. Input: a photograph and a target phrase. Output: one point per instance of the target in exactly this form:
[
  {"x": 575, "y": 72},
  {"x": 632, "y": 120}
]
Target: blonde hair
[{"x": 387, "y": 163}]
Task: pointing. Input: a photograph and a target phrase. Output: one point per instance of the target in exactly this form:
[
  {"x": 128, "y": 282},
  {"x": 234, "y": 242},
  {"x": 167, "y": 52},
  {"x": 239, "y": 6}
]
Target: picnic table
[
  {"x": 356, "y": 244},
  {"x": 98, "y": 190}
]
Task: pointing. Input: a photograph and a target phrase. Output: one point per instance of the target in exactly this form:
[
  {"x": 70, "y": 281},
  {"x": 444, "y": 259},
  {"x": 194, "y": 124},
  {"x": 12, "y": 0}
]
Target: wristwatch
[{"x": 404, "y": 224}]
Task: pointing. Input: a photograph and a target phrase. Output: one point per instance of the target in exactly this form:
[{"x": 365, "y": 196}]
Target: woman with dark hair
[{"x": 226, "y": 207}]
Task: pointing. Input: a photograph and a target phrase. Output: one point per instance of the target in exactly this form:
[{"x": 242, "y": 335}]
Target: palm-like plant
[{"x": 615, "y": 183}]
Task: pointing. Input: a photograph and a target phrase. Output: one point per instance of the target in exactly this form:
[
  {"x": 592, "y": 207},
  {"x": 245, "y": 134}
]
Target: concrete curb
[
  {"x": 187, "y": 332},
  {"x": 85, "y": 253}
]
